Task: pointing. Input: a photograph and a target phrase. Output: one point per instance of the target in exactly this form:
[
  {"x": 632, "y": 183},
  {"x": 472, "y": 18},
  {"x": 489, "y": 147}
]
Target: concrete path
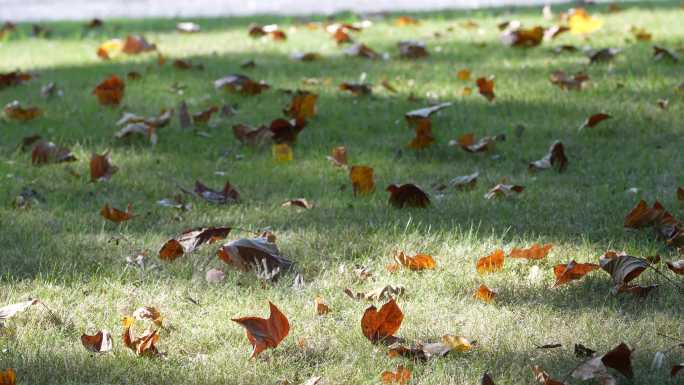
[{"x": 36, "y": 10}]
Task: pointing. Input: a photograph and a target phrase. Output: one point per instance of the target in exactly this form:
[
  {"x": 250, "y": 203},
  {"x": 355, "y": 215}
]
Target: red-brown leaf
[
  {"x": 407, "y": 195},
  {"x": 265, "y": 333},
  {"x": 380, "y": 325},
  {"x": 572, "y": 271},
  {"x": 491, "y": 263}
]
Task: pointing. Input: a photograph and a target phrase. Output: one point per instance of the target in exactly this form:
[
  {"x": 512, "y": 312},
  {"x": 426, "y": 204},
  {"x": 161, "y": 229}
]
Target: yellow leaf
[
  {"x": 282, "y": 152},
  {"x": 110, "y": 48},
  {"x": 457, "y": 343},
  {"x": 581, "y": 23}
]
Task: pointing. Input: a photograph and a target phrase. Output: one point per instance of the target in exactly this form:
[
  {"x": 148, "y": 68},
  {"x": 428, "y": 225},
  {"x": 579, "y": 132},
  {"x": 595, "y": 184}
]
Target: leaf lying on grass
[
  {"x": 254, "y": 253},
  {"x": 491, "y": 263},
  {"x": 380, "y": 325},
  {"x": 572, "y": 271},
  {"x": 115, "y": 215},
  {"x": 14, "y": 110},
  {"x": 100, "y": 342},
  {"x": 101, "y": 168},
  {"x": 407, "y": 195},
  {"x": 265, "y": 333},
  {"x": 378, "y": 294}
]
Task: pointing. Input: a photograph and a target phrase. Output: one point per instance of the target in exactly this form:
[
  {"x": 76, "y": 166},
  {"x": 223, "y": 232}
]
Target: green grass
[{"x": 63, "y": 252}]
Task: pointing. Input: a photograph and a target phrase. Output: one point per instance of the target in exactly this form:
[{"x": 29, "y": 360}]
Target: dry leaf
[
  {"x": 415, "y": 263},
  {"x": 339, "y": 156},
  {"x": 603, "y": 55},
  {"x": 485, "y": 294},
  {"x": 622, "y": 267},
  {"x": 320, "y": 307},
  {"x": 252, "y": 136},
  {"x": 115, "y": 215},
  {"x": 680, "y": 193},
  {"x": 676, "y": 267},
  {"x": 388, "y": 86},
  {"x": 14, "y": 78},
  {"x": 302, "y": 106},
  {"x": 565, "y": 81},
  {"x": 9, "y": 311},
  {"x": 361, "y": 50},
  {"x": 424, "y": 138},
  {"x": 520, "y": 37},
  {"x": 425, "y": 112},
  {"x": 581, "y": 23},
  {"x": 136, "y": 44},
  {"x": 378, "y": 294},
  {"x": 411, "y": 49},
  {"x": 381, "y": 325},
  {"x": 110, "y": 91},
  {"x": 8, "y": 376},
  {"x": 240, "y": 84},
  {"x": 356, "y": 89},
  {"x": 536, "y": 251},
  {"x": 15, "y": 111},
  {"x": 572, "y": 271},
  {"x": 407, "y": 195},
  {"x": 660, "y": 53},
  {"x": 286, "y": 131},
  {"x": 254, "y": 253},
  {"x": 148, "y": 313},
  {"x": 306, "y": 56},
  {"x": 400, "y": 377},
  {"x": 491, "y": 263},
  {"x": 554, "y": 158},
  {"x": 145, "y": 345},
  {"x": 503, "y": 191},
  {"x": 228, "y": 195},
  {"x": 101, "y": 168},
  {"x": 467, "y": 142},
  {"x": 282, "y": 152},
  {"x": 48, "y": 152},
  {"x": 544, "y": 378},
  {"x": 463, "y": 74},
  {"x": 486, "y": 380},
  {"x": 265, "y": 333},
  {"x": 299, "y": 202},
  {"x": 100, "y": 342},
  {"x": 640, "y": 33},
  {"x": 595, "y": 119},
  {"x": 203, "y": 117},
  {"x": 405, "y": 21},
  {"x": 270, "y": 30},
  {"x": 486, "y": 88},
  {"x": 362, "y": 180},
  {"x": 465, "y": 182}
]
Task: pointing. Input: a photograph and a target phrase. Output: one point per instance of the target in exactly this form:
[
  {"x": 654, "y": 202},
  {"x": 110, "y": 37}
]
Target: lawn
[{"x": 64, "y": 253}]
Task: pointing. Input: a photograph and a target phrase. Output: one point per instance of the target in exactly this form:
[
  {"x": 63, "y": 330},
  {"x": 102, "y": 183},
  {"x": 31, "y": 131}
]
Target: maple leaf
[
  {"x": 362, "y": 180},
  {"x": 101, "y": 168},
  {"x": 486, "y": 88},
  {"x": 400, "y": 377},
  {"x": 110, "y": 91},
  {"x": 380, "y": 325},
  {"x": 536, "y": 251},
  {"x": 265, "y": 333},
  {"x": 302, "y": 106},
  {"x": 254, "y": 253},
  {"x": 491, "y": 263},
  {"x": 115, "y": 215},
  {"x": 416, "y": 263},
  {"x": 484, "y": 294}
]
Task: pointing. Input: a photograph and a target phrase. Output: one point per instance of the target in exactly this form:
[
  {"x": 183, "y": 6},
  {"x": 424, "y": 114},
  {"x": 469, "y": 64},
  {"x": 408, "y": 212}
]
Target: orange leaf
[
  {"x": 484, "y": 294},
  {"x": 136, "y": 44},
  {"x": 491, "y": 263},
  {"x": 203, "y": 117},
  {"x": 8, "y": 377},
  {"x": 486, "y": 88},
  {"x": 520, "y": 37},
  {"x": 145, "y": 345},
  {"x": 463, "y": 74},
  {"x": 362, "y": 180},
  {"x": 190, "y": 240},
  {"x": 110, "y": 91},
  {"x": 321, "y": 307},
  {"x": 48, "y": 152},
  {"x": 468, "y": 143},
  {"x": 595, "y": 119},
  {"x": 567, "y": 82},
  {"x": 503, "y": 191},
  {"x": 302, "y": 106},
  {"x": 356, "y": 89},
  {"x": 535, "y": 251},
  {"x": 339, "y": 156},
  {"x": 403, "y": 21},
  {"x": 116, "y": 215},
  {"x": 424, "y": 138},
  {"x": 400, "y": 377},
  {"x": 265, "y": 333},
  {"x": 362, "y": 50},
  {"x": 407, "y": 195},
  {"x": 417, "y": 262},
  {"x": 641, "y": 215},
  {"x": 101, "y": 342},
  {"x": 100, "y": 167},
  {"x": 379, "y": 325},
  {"x": 572, "y": 271}
]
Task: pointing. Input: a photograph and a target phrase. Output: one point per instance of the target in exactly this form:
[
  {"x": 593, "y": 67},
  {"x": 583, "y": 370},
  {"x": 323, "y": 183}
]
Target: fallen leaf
[
  {"x": 184, "y": 65},
  {"x": 425, "y": 112},
  {"x": 203, "y": 117},
  {"x": 240, "y": 84},
  {"x": 486, "y": 380},
  {"x": 356, "y": 89},
  {"x": 101, "y": 168},
  {"x": 361, "y": 50},
  {"x": 306, "y": 56},
  {"x": 486, "y": 88},
  {"x": 14, "y": 110},
  {"x": 282, "y": 152},
  {"x": 400, "y": 377},
  {"x": 520, "y": 37},
  {"x": 622, "y": 267},
  {"x": 491, "y": 263},
  {"x": 14, "y": 78},
  {"x": 302, "y": 106},
  {"x": 661, "y": 53},
  {"x": 339, "y": 156},
  {"x": 603, "y": 55},
  {"x": 286, "y": 131},
  {"x": 362, "y": 180},
  {"x": 676, "y": 267},
  {"x": 136, "y": 44},
  {"x": 381, "y": 325},
  {"x": 115, "y": 215},
  {"x": 680, "y": 193},
  {"x": 270, "y": 30},
  {"x": 7, "y": 312},
  {"x": 640, "y": 33},
  {"x": 536, "y": 251},
  {"x": 675, "y": 369},
  {"x": 465, "y": 182},
  {"x": 571, "y": 271},
  {"x": 299, "y": 202},
  {"x": 619, "y": 359},
  {"x": 503, "y": 191},
  {"x": 110, "y": 49},
  {"x": 265, "y": 333},
  {"x": 405, "y": 21},
  {"x": 378, "y": 294},
  {"x": 554, "y": 158},
  {"x": 320, "y": 306},
  {"x": 145, "y": 345},
  {"x": 410, "y": 49},
  {"x": 252, "y": 136},
  {"x": 100, "y": 342},
  {"x": 463, "y": 74},
  {"x": 484, "y": 294},
  {"x": 544, "y": 378},
  {"x": 565, "y": 81},
  {"x": 110, "y": 91},
  {"x": 50, "y": 90},
  {"x": 595, "y": 119},
  {"x": 581, "y": 23},
  {"x": 388, "y": 86},
  {"x": 407, "y": 195},
  {"x": 189, "y": 240},
  {"x": 467, "y": 142},
  {"x": 254, "y": 253},
  {"x": 641, "y": 216},
  {"x": 416, "y": 263},
  {"x": 8, "y": 376},
  {"x": 228, "y": 195},
  {"x": 148, "y": 313},
  {"x": 423, "y": 128},
  {"x": 637, "y": 290},
  {"x": 582, "y": 351},
  {"x": 48, "y": 152}
]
